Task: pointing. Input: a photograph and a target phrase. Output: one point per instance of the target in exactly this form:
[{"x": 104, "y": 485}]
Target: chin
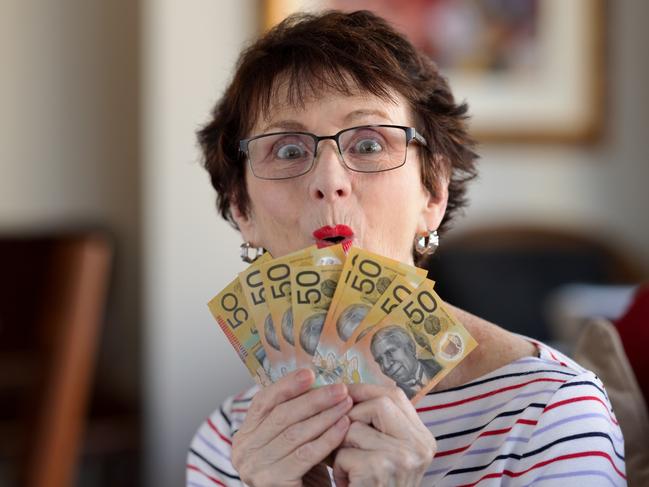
[
  {"x": 391, "y": 253},
  {"x": 286, "y": 248},
  {"x": 400, "y": 379}
]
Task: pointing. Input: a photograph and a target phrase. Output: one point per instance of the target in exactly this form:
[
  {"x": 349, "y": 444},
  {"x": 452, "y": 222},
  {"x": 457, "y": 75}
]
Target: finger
[
  {"x": 365, "y": 392},
  {"x": 364, "y": 437},
  {"x": 340, "y": 475},
  {"x": 305, "y": 457},
  {"x": 300, "y": 433},
  {"x": 358, "y": 468},
  {"x": 408, "y": 446},
  {"x": 384, "y": 415},
  {"x": 416, "y": 428},
  {"x": 299, "y": 409},
  {"x": 286, "y": 388}
]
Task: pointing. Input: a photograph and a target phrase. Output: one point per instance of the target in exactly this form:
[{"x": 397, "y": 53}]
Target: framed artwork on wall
[{"x": 531, "y": 70}]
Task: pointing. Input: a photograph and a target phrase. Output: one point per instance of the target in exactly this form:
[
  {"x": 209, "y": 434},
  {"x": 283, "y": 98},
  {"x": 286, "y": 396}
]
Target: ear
[
  {"x": 434, "y": 207},
  {"x": 245, "y": 222}
]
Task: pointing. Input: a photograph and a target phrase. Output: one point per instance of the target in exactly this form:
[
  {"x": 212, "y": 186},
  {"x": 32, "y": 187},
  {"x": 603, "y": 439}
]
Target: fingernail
[
  {"x": 344, "y": 404},
  {"x": 338, "y": 390},
  {"x": 342, "y": 423},
  {"x": 304, "y": 376}
]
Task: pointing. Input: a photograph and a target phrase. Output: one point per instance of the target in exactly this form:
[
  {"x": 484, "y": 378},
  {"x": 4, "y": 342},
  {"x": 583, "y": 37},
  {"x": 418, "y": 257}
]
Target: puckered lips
[{"x": 332, "y": 235}]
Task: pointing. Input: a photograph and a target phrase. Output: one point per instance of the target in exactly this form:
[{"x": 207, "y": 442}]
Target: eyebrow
[
  {"x": 294, "y": 125},
  {"x": 356, "y": 114},
  {"x": 282, "y": 125}
]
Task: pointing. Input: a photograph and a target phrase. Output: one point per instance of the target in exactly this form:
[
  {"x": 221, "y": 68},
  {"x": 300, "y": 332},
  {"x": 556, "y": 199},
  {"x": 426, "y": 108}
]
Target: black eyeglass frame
[{"x": 411, "y": 134}]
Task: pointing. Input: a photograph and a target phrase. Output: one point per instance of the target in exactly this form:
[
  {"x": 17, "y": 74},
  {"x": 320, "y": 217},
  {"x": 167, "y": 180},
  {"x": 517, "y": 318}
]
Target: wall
[
  {"x": 69, "y": 144},
  {"x": 600, "y": 189},
  {"x": 191, "y": 254}
]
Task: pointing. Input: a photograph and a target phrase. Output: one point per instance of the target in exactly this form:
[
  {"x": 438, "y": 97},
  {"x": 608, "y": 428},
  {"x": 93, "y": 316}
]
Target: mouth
[
  {"x": 332, "y": 235},
  {"x": 395, "y": 372}
]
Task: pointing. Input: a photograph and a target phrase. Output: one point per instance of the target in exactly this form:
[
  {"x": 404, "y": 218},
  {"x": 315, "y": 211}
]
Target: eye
[
  {"x": 365, "y": 141},
  {"x": 289, "y": 152},
  {"x": 367, "y": 146}
]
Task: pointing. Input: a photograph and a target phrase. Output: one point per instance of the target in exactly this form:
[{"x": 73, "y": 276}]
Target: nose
[
  {"x": 330, "y": 179},
  {"x": 385, "y": 362}
]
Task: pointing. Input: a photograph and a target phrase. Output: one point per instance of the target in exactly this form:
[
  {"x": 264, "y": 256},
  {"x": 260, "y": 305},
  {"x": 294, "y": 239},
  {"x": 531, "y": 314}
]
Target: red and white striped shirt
[{"x": 538, "y": 420}]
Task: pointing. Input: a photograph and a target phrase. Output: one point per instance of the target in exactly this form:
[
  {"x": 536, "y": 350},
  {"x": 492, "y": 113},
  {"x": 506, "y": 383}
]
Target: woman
[{"x": 514, "y": 411}]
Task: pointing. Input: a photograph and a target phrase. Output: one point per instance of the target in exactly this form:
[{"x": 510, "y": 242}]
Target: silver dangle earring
[
  {"x": 249, "y": 253},
  {"x": 427, "y": 244}
]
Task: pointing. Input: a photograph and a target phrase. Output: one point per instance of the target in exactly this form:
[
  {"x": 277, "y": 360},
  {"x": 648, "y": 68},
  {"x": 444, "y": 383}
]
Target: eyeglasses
[{"x": 369, "y": 148}]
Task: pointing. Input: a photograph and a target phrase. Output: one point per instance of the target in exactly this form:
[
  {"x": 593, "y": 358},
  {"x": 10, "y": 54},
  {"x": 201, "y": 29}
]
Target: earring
[
  {"x": 427, "y": 244},
  {"x": 249, "y": 253}
]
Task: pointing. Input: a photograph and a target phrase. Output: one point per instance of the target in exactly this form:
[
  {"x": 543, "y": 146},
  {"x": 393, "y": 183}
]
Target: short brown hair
[{"x": 311, "y": 53}]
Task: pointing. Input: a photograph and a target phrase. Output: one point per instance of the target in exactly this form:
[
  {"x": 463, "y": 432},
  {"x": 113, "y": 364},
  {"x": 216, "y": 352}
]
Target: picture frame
[{"x": 558, "y": 98}]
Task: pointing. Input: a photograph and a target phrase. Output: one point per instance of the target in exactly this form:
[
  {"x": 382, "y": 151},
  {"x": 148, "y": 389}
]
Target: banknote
[
  {"x": 231, "y": 312},
  {"x": 365, "y": 277},
  {"x": 332, "y": 255},
  {"x": 255, "y": 295},
  {"x": 276, "y": 277},
  {"x": 415, "y": 346},
  {"x": 398, "y": 290},
  {"x": 312, "y": 288},
  {"x": 355, "y": 318},
  {"x": 350, "y": 260}
]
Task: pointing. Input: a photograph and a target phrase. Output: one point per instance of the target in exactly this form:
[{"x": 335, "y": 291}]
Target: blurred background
[{"x": 99, "y": 169}]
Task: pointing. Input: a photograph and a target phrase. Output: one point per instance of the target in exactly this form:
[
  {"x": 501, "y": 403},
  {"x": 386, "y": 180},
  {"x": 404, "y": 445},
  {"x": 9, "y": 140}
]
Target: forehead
[
  {"x": 328, "y": 106},
  {"x": 386, "y": 342}
]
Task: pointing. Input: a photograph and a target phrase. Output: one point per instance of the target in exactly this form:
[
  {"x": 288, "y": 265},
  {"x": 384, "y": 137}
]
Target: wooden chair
[{"x": 52, "y": 294}]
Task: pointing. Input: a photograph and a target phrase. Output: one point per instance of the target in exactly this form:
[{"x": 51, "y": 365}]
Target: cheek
[
  {"x": 271, "y": 202},
  {"x": 394, "y": 209}
]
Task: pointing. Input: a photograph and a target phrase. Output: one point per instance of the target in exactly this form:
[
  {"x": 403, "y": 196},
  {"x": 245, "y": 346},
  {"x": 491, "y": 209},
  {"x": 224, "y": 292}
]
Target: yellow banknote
[
  {"x": 312, "y": 288},
  {"x": 231, "y": 312},
  {"x": 400, "y": 288},
  {"x": 350, "y": 260},
  {"x": 276, "y": 276},
  {"x": 365, "y": 277},
  {"x": 255, "y": 295},
  {"x": 332, "y": 255},
  {"x": 415, "y": 346}
]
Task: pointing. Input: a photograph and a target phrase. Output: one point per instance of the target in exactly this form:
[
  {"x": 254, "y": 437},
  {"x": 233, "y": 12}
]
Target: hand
[
  {"x": 289, "y": 429},
  {"x": 386, "y": 444}
]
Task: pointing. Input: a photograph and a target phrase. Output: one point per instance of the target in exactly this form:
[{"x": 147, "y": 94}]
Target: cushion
[{"x": 600, "y": 349}]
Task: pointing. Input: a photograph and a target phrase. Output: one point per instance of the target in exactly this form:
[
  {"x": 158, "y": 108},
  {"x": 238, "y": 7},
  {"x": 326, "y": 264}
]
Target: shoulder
[
  {"x": 208, "y": 458},
  {"x": 496, "y": 348},
  {"x": 576, "y": 432},
  {"x": 537, "y": 418}
]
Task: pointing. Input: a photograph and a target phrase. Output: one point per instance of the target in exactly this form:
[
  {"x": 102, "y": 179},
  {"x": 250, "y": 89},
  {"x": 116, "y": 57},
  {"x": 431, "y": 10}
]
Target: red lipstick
[{"x": 332, "y": 235}]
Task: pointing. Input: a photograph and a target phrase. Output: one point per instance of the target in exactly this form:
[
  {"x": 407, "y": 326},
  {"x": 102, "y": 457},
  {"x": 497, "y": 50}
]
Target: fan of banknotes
[{"x": 354, "y": 318}]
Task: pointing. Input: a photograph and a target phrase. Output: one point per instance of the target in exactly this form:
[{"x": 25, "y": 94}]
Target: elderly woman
[{"x": 287, "y": 151}]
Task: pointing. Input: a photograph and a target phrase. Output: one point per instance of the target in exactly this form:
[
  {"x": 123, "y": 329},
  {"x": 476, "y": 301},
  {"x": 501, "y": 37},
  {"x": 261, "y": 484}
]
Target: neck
[{"x": 496, "y": 347}]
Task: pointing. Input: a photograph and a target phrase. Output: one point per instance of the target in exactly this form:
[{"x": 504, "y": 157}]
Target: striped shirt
[{"x": 536, "y": 421}]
